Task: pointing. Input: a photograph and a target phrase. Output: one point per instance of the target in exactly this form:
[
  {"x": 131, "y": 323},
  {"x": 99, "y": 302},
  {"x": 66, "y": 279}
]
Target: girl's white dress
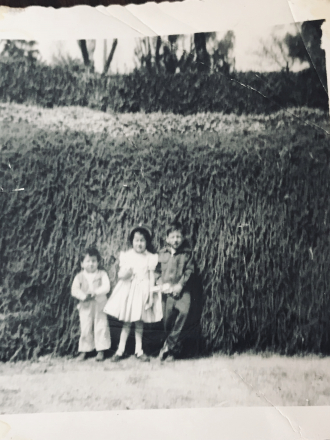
[{"x": 129, "y": 298}]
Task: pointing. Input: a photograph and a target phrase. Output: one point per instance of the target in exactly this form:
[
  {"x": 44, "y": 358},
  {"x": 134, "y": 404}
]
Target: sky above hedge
[{"x": 247, "y": 43}]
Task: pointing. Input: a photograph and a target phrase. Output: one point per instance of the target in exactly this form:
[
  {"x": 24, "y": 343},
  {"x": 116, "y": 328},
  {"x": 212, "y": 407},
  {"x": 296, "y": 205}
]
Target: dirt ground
[{"x": 63, "y": 384}]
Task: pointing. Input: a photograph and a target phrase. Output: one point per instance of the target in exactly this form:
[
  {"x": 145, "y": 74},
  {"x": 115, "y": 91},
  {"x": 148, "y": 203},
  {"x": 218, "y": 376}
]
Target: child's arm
[
  {"x": 160, "y": 287},
  {"x": 151, "y": 285},
  {"x": 105, "y": 285},
  {"x": 76, "y": 292},
  {"x": 125, "y": 273},
  {"x": 158, "y": 273},
  {"x": 152, "y": 278}
]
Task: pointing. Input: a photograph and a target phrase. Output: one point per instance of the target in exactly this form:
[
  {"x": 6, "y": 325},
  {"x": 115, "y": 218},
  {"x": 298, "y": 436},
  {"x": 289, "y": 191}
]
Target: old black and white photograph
[{"x": 164, "y": 239}]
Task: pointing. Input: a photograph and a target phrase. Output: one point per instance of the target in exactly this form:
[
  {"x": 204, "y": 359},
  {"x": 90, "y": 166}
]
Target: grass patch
[{"x": 217, "y": 381}]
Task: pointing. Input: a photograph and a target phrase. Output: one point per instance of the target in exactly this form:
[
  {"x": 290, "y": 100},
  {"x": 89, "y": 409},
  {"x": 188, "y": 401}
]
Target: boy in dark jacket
[{"x": 176, "y": 265}]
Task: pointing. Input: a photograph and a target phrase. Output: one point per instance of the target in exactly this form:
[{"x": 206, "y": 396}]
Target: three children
[{"x": 136, "y": 299}]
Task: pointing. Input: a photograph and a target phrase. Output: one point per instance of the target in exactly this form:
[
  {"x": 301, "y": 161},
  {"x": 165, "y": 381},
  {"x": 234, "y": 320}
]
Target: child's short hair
[
  {"x": 175, "y": 226},
  {"x": 92, "y": 252}
]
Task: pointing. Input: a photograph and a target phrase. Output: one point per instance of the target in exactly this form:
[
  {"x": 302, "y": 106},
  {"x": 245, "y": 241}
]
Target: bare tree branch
[
  {"x": 83, "y": 47},
  {"x": 110, "y": 57},
  {"x": 157, "y": 54}
]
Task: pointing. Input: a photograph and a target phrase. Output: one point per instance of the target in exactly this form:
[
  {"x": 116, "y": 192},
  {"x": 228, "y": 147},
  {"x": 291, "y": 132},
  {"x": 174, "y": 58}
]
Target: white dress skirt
[{"x": 129, "y": 298}]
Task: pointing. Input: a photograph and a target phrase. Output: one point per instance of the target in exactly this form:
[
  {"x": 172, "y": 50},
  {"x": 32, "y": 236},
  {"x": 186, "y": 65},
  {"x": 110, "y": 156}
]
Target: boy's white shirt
[
  {"x": 90, "y": 278},
  {"x": 102, "y": 290}
]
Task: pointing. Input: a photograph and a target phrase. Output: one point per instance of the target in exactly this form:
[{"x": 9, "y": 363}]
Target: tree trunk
[
  {"x": 202, "y": 56},
  {"x": 157, "y": 54},
  {"x": 105, "y": 51},
  {"x": 110, "y": 57},
  {"x": 83, "y": 47}
]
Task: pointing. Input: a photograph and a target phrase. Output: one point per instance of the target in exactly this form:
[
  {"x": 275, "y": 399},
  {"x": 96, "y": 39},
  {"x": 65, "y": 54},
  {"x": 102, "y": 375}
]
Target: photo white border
[{"x": 150, "y": 19}]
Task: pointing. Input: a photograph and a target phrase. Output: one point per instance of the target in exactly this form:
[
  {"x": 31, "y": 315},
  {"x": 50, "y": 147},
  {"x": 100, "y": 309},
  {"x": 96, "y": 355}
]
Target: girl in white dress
[{"x": 133, "y": 299}]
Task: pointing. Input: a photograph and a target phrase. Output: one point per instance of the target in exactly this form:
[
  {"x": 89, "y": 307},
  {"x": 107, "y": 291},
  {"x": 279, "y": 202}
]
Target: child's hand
[
  {"x": 125, "y": 273},
  {"x": 176, "y": 289},
  {"x": 167, "y": 288},
  {"x": 150, "y": 300},
  {"x": 149, "y": 303},
  {"x": 91, "y": 293}
]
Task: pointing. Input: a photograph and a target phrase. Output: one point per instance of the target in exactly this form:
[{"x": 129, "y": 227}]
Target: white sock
[
  {"x": 138, "y": 338},
  {"x": 123, "y": 338}
]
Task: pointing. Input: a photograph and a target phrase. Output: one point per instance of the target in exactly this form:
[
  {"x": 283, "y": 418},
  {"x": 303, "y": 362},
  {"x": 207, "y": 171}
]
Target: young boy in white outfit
[{"x": 90, "y": 287}]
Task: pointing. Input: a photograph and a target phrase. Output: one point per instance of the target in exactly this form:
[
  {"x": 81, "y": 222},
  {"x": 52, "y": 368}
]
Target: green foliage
[
  {"x": 183, "y": 93},
  {"x": 170, "y": 54},
  {"x": 19, "y": 49},
  {"x": 24, "y": 119},
  {"x": 255, "y": 207},
  {"x": 308, "y": 47}
]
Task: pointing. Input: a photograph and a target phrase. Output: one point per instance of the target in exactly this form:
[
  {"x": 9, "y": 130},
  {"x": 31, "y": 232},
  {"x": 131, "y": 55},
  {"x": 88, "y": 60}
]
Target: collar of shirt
[
  {"x": 139, "y": 253},
  {"x": 184, "y": 247},
  {"x": 90, "y": 274}
]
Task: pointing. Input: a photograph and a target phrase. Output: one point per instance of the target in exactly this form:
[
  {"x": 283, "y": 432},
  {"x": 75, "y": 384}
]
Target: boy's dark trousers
[{"x": 175, "y": 313}]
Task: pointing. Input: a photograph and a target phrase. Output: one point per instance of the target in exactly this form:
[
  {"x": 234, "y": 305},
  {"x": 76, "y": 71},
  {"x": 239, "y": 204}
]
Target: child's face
[
  {"x": 89, "y": 264},
  {"x": 175, "y": 239},
  {"x": 139, "y": 243}
]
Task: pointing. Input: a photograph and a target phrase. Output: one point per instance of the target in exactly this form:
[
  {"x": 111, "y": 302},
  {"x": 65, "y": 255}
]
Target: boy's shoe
[
  {"x": 82, "y": 357},
  {"x": 163, "y": 353},
  {"x": 143, "y": 358},
  {"x": 117, "y": 357},
  {"x": 100, "y": 356},
  {"x": 170, "y": 358}
]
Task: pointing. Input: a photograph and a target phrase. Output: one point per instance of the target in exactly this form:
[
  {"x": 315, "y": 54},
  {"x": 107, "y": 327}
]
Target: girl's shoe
[
  {"x": 100, "y": 356},
  {"x": 82, "y": 357},
  {"x": 170, "y": 358},
  {"x": 143, "y": 358},
  {"x": 117, "y": 358}
]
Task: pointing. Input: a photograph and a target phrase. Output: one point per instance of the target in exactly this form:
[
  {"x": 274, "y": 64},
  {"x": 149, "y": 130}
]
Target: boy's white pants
[{"x": 95, "y": 332}]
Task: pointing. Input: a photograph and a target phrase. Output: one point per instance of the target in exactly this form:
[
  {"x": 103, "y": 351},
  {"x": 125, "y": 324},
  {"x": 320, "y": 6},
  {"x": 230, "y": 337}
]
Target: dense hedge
[
  {"x": 255, "y": 206},
  {"x": 188, "y": 93}
]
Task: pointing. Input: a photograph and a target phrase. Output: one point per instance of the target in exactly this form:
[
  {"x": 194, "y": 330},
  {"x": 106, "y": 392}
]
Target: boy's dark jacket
[{"x": 176, "y": 268}]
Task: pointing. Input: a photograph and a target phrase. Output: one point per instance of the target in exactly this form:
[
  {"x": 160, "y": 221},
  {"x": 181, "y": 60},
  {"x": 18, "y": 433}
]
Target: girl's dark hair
[
  {"x": 147, "y": 237},
  {"x": 92, "y": 252},
  {"x": 175, "y": 226}
]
